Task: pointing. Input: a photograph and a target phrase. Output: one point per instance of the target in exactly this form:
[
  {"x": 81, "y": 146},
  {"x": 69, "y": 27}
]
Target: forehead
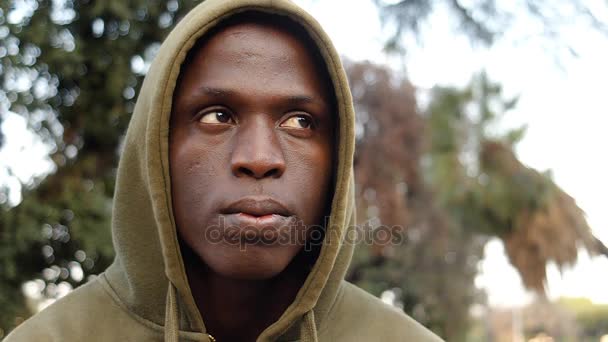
[
  {"x": 253, "y": 40},
  {"x": 270, "y": 53},
  {"x": 246, "y": 45},
  {"x": 258, "y": 24}
]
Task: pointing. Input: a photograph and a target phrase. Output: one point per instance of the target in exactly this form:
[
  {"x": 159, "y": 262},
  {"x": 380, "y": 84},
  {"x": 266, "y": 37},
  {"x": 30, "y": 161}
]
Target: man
[{"x": 234, "y": 195}]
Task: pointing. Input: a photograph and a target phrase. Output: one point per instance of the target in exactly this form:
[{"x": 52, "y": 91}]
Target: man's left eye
[{"x": 298, "y": 121}]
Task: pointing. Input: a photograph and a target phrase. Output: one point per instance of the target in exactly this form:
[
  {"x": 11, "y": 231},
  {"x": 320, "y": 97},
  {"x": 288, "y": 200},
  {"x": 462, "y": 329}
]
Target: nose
[{"x": 257, "y": 152}]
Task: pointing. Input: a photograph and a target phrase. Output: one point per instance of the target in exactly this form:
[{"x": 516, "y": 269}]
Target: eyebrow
[
  {"x": 292, "y": 99},
  {"x": 216, "y": 91},
  {"x": 300, "y": 99}
]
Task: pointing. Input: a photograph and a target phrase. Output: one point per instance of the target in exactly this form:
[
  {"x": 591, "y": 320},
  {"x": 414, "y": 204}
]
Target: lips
[
  {"x": 257, "y": 207},
  {"x": 256, "y": 220}
]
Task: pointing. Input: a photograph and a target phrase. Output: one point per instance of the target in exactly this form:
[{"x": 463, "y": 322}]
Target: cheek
[
  {"x": 196, "y": 160},
  {"x": 311, "y": 169},
  {"x": 194, "y": 169},
  {"x": 190, "y": 169}
]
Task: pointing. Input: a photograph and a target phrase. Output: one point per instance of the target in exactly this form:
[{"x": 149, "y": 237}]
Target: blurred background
[{"x": 480, "y": 130}]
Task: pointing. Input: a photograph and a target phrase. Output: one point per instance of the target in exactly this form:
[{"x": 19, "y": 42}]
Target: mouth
[
  {"x": 256, "y": 220},
  {"x": 257, "y": 207}
]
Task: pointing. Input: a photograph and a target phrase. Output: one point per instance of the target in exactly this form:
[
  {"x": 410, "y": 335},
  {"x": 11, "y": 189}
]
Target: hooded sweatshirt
[{"x": 144, "y": 295}]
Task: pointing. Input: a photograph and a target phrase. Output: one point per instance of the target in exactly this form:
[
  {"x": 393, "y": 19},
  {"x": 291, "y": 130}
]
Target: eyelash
[
  {"x": 313, "y": 123},
  {"x": 312, "y": 126},
  {"x": 207, "y": 110}
]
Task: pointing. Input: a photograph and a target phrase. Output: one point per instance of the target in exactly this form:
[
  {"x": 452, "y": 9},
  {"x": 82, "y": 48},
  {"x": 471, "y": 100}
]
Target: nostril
[
  {"x": 272, "y": 173},
  {"x": 246, "y": 171}
]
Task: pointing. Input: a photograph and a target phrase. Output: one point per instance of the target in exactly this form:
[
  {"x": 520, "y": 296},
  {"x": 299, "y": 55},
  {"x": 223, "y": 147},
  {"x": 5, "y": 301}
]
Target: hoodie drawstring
[
  {"x": 308, "y": 330},
  {"x": 171, "y": 315}
]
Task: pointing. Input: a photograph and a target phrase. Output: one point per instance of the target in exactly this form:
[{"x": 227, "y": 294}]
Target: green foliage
[
  {"x": 592, "y": 318},
  {"x": 482, "y": 188}
]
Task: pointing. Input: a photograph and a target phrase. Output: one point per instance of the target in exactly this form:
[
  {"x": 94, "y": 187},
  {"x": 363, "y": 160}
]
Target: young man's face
[{"x": 251, "y": 149}]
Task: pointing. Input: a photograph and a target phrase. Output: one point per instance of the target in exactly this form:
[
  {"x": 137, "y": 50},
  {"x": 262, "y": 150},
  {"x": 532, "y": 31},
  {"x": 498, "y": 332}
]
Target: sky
[{"x": 562, "y": 103}]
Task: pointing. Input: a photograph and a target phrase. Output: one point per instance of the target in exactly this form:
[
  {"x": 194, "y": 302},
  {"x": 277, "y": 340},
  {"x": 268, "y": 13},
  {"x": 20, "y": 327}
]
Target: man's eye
[
  {"x": 216, "y": 117},
  {"x": 298, "y": 121}
]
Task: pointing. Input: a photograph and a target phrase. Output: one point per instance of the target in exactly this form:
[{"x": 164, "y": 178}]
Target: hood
[{"x": 148, "y": 273}]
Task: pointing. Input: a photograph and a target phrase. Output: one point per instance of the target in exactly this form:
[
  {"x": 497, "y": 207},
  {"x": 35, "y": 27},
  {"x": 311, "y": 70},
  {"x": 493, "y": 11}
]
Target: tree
[
  {"x": 72, "y": 69},
  {"x": 440, "y": 177},
  {"x": 430, "y": 273},
  {"x": 486, "y": 21}
]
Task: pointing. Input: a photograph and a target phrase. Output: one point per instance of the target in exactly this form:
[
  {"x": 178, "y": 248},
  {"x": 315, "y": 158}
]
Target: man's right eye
[{"x": 216, "y": 117}]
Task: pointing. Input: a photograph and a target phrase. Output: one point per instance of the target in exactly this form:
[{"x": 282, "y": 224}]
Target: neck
[{"x": 237, "y": 309}]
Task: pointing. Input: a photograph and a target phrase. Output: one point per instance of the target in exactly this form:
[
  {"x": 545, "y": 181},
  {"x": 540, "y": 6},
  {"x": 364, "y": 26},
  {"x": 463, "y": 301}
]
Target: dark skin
[{"x": 251, "y": 155}]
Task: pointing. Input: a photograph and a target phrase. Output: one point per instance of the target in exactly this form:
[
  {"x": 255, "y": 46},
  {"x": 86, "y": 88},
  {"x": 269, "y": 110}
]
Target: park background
[{"x": 480, "y": 128}]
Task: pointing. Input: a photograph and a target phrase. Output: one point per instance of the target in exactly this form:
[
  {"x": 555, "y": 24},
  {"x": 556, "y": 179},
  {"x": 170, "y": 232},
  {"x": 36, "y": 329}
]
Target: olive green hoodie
[{"x": 144, "y": 295}]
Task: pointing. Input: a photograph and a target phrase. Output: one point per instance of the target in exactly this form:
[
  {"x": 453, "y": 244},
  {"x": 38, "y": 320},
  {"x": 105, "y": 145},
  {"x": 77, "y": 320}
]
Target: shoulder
[
  {"x": 358, "y": 315},
  {"x": 87, "y": 313}
]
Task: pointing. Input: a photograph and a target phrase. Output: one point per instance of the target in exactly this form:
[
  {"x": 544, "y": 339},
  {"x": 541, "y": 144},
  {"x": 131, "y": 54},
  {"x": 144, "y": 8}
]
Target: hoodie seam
[
  {"x": 339, "y": 297},
  {"x": 112, "y": 293}
]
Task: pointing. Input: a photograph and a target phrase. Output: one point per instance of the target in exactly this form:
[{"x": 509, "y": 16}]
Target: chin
[{"x": 250, "y": 262}]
